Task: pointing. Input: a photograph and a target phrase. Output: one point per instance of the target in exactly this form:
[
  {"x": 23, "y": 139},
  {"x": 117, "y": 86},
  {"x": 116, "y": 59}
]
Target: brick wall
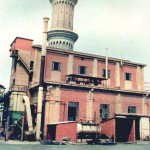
[
  {"x": 128, "y": 69},
  {"x": 57, "y": 58},
  {"x": 74, "y": 96},
  {"x": 128, "y": 100},
  {"x": 111, "y": 67},
  {"x": 24, "y": 44},
  {"x": 21, "y": 77},
  {"x": 85, "y": 62},
  {"x": 104, "y": 98},
  {"x": 66, "y": 130},
  {"x": 108, "y": 128},
  {"x": 131, "y": 137}
]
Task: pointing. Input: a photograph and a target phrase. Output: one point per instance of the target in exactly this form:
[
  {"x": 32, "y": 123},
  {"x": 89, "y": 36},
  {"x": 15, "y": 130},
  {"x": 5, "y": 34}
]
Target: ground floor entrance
[{"x": 127, "y": 129}]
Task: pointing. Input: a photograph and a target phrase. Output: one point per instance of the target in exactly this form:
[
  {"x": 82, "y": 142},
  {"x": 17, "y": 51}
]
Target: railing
[
  {"x": 13, "y": 53},
  {"x": 22, "y": 58},
  {"x": 18, "y": 88},
  {"x": 84, "y": 79},
  {"x": 88, "y": 120}
]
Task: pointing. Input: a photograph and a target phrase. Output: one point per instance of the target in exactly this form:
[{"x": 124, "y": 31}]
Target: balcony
[
  {"x": 18, "y": 88},
  {"x": 13, "y": 53},
  {"x": 83, "y": 79}
]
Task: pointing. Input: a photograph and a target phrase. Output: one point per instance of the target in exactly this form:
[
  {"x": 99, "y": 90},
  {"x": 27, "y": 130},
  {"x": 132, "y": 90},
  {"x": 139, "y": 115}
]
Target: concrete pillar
[
  {"x": 144, "y": 127},
  {"x": 89, "y": 106},
  {"x": 57, "y": 103},
  {"x": 144, "y": 105},
  {"x": 142, "y": 78},
  {"x": 54, "y": 105},
  {"x": 118, "y": 104},
  {"x": 70, "y": 64},
  {"x": 94, "y": 71},
  {"x": 138, "y": 78},
  {"x": 117, "y": 74},
  {"x": 39, "y": 112}
]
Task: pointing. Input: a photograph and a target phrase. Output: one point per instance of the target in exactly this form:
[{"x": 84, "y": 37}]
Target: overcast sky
[{"x": 123, "y": 26}]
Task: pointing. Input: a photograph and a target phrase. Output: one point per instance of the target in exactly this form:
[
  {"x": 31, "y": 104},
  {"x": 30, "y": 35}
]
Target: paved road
[{"x": 4, "y": 146}]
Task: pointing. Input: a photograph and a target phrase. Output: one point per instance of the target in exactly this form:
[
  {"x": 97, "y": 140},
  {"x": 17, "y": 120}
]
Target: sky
[{"x": 122, "y": 26}]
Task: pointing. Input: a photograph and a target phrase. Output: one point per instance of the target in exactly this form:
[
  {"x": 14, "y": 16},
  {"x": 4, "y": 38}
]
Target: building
[{"x": 82, "y": 92}]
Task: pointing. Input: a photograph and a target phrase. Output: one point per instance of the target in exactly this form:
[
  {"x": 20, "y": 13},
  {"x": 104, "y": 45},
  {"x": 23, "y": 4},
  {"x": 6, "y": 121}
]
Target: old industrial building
[{"x": 84, "y": 95}]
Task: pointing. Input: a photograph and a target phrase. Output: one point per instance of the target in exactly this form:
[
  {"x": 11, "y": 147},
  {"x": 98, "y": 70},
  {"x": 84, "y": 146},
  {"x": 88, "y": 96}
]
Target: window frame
[
  {"x": 104, "y": 111},
  {"x": 132, "y": 109},
  {"x": 104, "y": 73},
  {"x": 85, "y": 70},
  {"x": 56, "y": 68},
  {"x": 72, "y": 104},
  {"x": 128, "y": 76}
]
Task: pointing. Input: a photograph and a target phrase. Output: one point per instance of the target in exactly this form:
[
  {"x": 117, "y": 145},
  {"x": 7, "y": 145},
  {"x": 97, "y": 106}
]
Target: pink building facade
[{"x": 76, "y": 89}]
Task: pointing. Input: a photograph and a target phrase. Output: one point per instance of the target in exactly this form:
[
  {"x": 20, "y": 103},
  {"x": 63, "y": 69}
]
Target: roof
[
  {"x": 20, "y": 38},
  {"x": 130, "y": 115},
  {"x": 88, "y": 55}
]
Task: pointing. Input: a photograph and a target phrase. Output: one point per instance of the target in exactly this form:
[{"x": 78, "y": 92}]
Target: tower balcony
[{"x": 62, "y": 39}]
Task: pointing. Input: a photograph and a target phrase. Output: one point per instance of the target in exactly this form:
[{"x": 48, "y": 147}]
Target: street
[{"x": 5, "y": 146}]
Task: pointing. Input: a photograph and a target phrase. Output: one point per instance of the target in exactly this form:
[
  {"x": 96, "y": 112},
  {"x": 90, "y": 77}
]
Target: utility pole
[{"x": 41, "y": 82}]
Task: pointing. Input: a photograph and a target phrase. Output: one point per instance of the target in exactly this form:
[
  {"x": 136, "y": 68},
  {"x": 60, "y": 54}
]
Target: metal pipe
[
  {"x": 41, "y": 82},
  {"x": 28, "y": 112}
]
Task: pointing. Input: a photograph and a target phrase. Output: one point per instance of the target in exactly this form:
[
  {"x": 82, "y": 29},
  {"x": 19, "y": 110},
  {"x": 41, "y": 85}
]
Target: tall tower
[{"x": 61, "y": 33}]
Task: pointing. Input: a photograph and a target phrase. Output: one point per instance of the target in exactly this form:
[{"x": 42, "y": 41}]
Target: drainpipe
[
  {"x": 106, "y": 70},
  {"x": 41, "y": 82}
]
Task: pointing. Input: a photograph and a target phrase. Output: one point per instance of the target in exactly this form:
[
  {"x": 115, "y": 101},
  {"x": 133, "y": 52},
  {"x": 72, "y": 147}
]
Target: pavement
[
  {"x": 19, "y": 142},
  {"x": 143, "y": 142},
  {"x": 38, "y": 142}
]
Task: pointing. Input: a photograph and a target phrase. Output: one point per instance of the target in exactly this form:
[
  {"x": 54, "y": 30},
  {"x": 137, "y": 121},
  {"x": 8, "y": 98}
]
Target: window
[
  {"x": 30, "y": 76},
  {"x": 131, "y": 109},
  {"x": 82, "y": 69},
  {"x": 104, "y": 73},
  {"x": 31, "y": 65},
  {"x": 104, "y": 111},
  {"x": 56, "y": 66},
  {"x": 73, "y": 108},
  {"x": 128, "y": 76}
]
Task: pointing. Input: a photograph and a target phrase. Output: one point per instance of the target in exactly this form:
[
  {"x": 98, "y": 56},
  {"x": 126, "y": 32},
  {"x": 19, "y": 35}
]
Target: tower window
[
  {"x": 56, "y": 66},
  {"x": 128, "y": 76},
  {"x": 82, "y": 70}
]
